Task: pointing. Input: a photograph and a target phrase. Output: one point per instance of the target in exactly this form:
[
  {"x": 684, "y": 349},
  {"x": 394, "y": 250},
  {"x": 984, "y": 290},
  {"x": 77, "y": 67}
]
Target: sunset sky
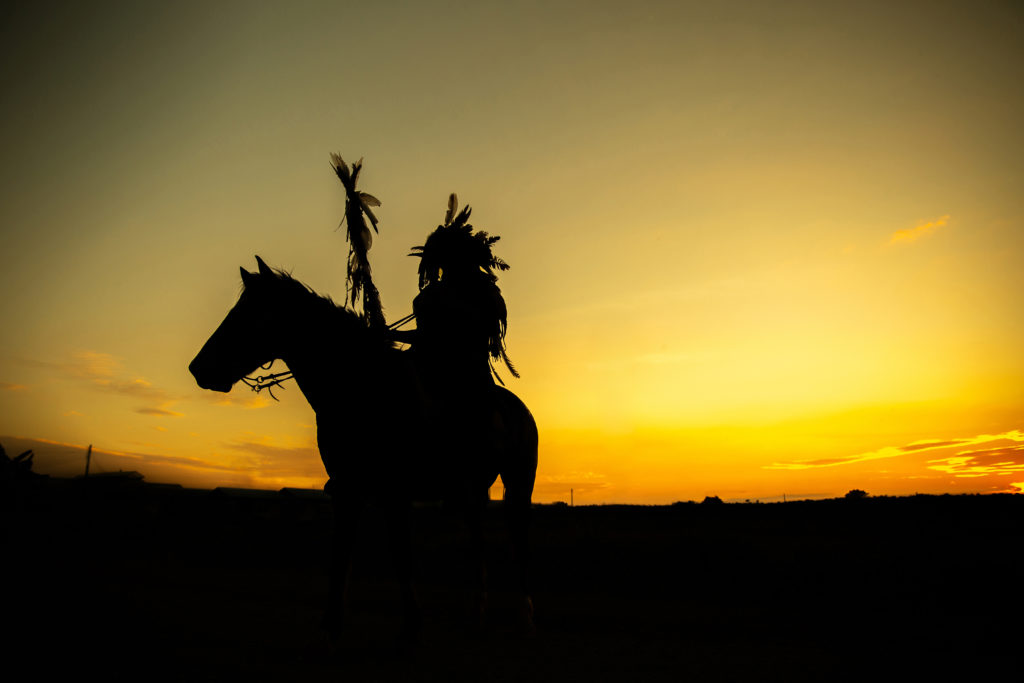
[{"x": 758, "y": 249}]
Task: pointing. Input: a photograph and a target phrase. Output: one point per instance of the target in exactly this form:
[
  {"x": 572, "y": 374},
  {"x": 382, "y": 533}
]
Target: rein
[{"x": 398, "y": 323}]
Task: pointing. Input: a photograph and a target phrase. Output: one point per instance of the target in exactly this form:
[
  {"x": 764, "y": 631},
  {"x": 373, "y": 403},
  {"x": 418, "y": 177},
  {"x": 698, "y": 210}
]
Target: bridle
[{"x": 268, "y": 382}]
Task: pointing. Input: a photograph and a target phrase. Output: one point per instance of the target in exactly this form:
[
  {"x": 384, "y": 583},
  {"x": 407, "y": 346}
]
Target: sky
[{"x": 757, "y": 249}]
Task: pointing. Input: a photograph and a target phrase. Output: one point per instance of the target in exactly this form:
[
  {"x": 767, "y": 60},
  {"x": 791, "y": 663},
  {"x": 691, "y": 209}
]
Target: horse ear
[
  {"x": 246, "y": 276},
  {"x": 264, "y": 268}
]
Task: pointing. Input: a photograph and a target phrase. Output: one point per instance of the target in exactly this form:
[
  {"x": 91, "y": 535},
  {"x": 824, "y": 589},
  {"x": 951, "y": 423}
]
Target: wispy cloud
[
  {"x": 896, "y": 451},
  {"x": 982, "y": 463},
  {"x": 237, "y": 399},
  {"x": 67, "y": 458},
  {"x": 274, "y": 462},
  {"x": 269, "y": 450},
  {"x": 94, "y": 364},
  {"x": 579, "y": 482},
  {"x": 159, "y": 412},
  {"x": 274, "y": 467},
  {"x": 105, "y": 372},
  {"x": 920, "y": 230},
  {"x": 8, "y": 386}
]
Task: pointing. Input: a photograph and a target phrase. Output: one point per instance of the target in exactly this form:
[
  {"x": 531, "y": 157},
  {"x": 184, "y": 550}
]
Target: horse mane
[{"x": 306, "y": 302}]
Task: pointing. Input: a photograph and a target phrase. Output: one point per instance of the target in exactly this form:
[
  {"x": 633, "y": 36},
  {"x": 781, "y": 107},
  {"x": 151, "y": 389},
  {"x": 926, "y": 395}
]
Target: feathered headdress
[
  {"x": 357, "y": 210},
  {"x": 454, "y": 245}
]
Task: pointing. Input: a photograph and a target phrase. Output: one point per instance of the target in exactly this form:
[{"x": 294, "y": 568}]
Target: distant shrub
[
  {"x": 19, "y": 467},
  {"x": 856, "y": 494},
  {"x": 711, "y": 500}
]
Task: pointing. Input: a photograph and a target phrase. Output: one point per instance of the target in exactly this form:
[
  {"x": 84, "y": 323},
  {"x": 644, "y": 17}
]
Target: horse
[{"x": 381, "y": 439}]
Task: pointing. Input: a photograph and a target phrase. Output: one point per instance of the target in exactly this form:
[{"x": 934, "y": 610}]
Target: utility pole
[
  {"x": 88, "y": 457},
  {"x": 571, "y": 502}
]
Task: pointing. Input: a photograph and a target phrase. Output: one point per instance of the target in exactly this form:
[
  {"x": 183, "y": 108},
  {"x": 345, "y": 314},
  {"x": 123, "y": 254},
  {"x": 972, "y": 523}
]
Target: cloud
[
  {"x": 981, "y": 463},
  {"x": 241, "y": 400},
  {"x": 579, "y": 482},
  {"x": 97, "y": 364},
  {"x": 269, "y": 450},
  {"x": 822, "y": 462},
  {"x": 8, "y": 386},
  {"x": 276, "y": 462},
  {"x": 67, "y": 459},
  {"x": 896, "y": 451},
  {"x": 159, "y": 412},
  {"x": 929, "y": 445},
  {"x": 105, "y": 372},
  {"x": 62, "y": 459},
  {"x": 919, "y": 231},
  {"x": 138, "y": 388}
]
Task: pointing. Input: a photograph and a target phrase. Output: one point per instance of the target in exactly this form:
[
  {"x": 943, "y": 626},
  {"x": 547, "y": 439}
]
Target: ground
[{"x": 147, "y": 583}]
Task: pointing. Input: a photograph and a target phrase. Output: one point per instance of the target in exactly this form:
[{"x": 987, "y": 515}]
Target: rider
[{"x": 460, "y": 315}]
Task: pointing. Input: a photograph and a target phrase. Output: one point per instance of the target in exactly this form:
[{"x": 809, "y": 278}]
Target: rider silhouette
[{"x": 461, "y": 320}]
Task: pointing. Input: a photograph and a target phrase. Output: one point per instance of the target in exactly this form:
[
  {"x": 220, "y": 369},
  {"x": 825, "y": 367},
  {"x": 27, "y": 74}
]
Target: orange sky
[{"x": 757, "y": 248}]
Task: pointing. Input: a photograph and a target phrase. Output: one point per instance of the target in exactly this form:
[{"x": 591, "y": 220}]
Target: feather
[
  {"x": 372, "y": 217},
  {"x": 340, "y": 168},
  {"x": 367, "y": 238},
  {"x": 453, "y": 202}
]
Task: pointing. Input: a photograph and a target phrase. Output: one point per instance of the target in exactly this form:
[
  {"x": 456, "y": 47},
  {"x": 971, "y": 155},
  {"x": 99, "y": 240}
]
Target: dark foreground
[{"x": 147, "y": 583}]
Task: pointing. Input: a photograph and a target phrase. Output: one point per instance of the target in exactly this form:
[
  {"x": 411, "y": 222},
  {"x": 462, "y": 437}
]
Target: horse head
[{"x": 247, "y": 338}]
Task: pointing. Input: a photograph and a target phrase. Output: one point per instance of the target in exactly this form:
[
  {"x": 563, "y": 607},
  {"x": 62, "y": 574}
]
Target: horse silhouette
[{"x": 381, "y": 439}]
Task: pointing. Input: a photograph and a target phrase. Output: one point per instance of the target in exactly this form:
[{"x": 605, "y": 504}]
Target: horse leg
[
  {"x": 400, "y": 539},
  {"x": 517, "y": 521},
  {"x": 345, "y": 515},
  {"x": 518, "y": 469},
  {"x": 478, "y": 596}
]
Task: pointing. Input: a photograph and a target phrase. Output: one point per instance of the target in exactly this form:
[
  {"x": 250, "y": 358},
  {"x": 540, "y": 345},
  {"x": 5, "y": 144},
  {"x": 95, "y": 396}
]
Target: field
[{"x": 144, "y": 582}]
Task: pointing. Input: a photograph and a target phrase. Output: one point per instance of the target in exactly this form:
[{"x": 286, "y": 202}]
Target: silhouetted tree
[
  {"x": 708, "y": 500},
  {"x": 17, "y": 467},
  {"x": 855, "y": 494}
]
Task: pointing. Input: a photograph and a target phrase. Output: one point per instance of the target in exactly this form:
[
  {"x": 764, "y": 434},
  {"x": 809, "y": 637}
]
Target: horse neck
[{"x": 316, "y": 354}]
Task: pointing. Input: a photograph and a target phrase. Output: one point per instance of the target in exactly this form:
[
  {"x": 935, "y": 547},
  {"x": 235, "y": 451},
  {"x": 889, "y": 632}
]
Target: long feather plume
[{"x": 359, "y": 286}]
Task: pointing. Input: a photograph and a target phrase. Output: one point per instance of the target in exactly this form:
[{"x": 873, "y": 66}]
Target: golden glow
[{"x": 750, "y": 256}]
